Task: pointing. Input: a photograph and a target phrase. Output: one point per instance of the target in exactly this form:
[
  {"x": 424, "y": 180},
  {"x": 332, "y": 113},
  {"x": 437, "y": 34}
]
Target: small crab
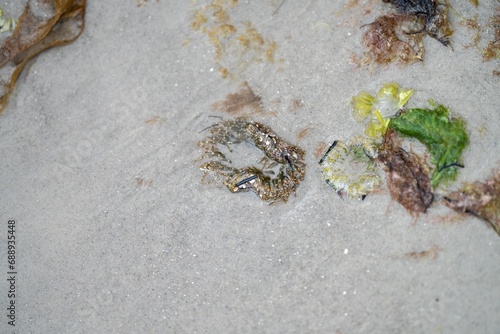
[{"x": 277, "y": 153}]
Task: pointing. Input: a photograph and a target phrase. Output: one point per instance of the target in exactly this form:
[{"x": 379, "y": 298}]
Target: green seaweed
[{"x": 445, "y": 138}]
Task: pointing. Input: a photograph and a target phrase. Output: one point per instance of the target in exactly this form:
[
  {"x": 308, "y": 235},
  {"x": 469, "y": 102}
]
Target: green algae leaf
[{"x": 445, "y": 138}]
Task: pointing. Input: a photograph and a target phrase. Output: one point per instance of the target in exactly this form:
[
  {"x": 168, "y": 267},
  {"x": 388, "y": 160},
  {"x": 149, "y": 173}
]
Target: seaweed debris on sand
[
  {"x": 444, "y": 137},
  {"x": 407, "y": 175},
  {"x": 480, "y": 199},
  {"x": 36, "y": 33}
]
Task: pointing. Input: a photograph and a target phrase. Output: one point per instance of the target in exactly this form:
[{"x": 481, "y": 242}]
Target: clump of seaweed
[
  {"x": 389, "y": 39},
  {"x": 407, "y": 175},
  {"x": 289, "y": 160},
  {"x": 480, "y": 199},
  {"x": 43, "y": 24},
  {"x": 398, "y": 36},
  {"x": 351, "y": 168},
  {"x": 444, "y": 137},
  {"x": 433, "y": 15},
  {"x": 237, "y": 44}
]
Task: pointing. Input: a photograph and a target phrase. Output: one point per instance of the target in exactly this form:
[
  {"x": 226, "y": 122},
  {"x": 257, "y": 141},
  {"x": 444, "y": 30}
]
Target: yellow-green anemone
[
  {"x": 362, "y": 105},
  {"x": 377, "y": 110}
]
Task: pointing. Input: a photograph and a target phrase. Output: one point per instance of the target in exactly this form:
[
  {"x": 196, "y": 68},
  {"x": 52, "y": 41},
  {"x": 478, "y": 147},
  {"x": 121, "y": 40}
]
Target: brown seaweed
[
  {"x": 42, "y": 25},
  {"x": 389, "y": 38},
  {"x": 480, "y": 199},
  {"x": 398, "y": 36},
  {"x": 432, "y": 13},
  {"x": 407, "y": 175},
  {"x": 492, "y": 51}
]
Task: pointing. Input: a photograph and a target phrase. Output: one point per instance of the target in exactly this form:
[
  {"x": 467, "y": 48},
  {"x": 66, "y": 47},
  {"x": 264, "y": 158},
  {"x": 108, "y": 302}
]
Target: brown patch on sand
[
  {"x": 301, "y": 134},
  {"x": 492, "y": 51},
  {"x": 429, "y": 254},
  {"x": 140, "y": 182},
  {"x": 320, "y": 149},
  {"x": 237, "y": 44},
  {"x": 295, "y": 105},
  {"x": 241, "y": 103}
]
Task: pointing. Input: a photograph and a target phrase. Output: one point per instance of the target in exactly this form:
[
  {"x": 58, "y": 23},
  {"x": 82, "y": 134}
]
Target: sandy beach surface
[{"x": 116, "y": 233}]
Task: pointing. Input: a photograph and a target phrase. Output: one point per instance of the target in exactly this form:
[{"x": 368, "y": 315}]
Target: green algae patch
[{"x": 444, "y": 137}]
